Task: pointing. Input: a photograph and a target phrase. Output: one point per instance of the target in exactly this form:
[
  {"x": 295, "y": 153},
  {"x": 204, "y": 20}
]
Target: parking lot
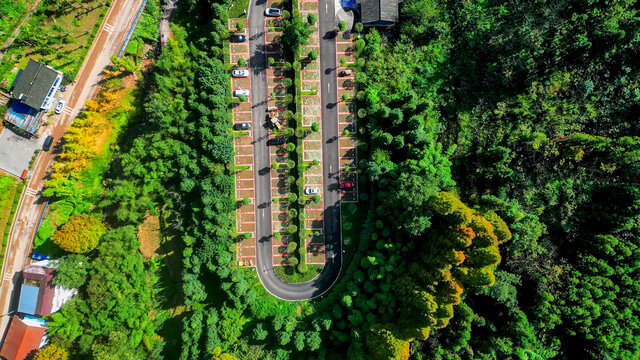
[{"x": 17, "y": 150}]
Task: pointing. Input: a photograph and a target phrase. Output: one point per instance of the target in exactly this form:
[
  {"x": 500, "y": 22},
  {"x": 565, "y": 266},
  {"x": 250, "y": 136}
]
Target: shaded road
[
  {"x": 108, "y": 41},
  {"x": 264, "y": 249}
]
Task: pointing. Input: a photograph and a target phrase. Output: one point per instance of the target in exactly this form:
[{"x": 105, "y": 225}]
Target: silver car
[
  {"x": 240, "y": 73},
  {"x": 238, "y": 92},
  {"x": 273, "y": 12}
]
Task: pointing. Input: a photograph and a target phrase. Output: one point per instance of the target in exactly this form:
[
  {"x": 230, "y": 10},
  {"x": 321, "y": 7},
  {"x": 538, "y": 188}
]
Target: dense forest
[{"x": 499, "y": 178}]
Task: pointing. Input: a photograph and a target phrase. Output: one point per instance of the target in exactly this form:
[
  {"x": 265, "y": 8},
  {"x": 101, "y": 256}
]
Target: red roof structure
[{"x": 22, "y": 340}]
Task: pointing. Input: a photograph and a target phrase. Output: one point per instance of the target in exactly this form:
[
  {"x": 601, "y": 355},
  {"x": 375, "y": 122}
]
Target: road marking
[{"x": 108, "y": 27}]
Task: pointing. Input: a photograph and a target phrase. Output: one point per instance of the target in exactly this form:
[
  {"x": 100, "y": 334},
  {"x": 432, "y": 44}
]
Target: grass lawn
[
  {"x": 60, "y": 39},
  {"x": 238, "y": 8},
  {"x": 290, "y": 275},
  {"x": 11, "y": 14},
  {"x": 10, "y": 189}
]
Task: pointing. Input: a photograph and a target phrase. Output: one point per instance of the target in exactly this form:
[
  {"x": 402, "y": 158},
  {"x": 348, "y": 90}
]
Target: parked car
[
  {"x": 312, "y": 191},
  {"x": 240, "y": 73},
  {"x": 242, "y": 126},
  {"x": 273, "y": 12},
  {"x": 238, "y": 92},
  {"x": 60, "y": 106},
  {"x": 238, "y": 38},
  {"x": 346, "y": 185},
  {"x": 281, "y": 140},
  {"x": 47, "y": 143}
]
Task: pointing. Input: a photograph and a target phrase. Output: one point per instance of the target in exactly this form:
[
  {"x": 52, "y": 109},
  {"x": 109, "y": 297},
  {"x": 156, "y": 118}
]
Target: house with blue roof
[{"x": 34, "y": 89}]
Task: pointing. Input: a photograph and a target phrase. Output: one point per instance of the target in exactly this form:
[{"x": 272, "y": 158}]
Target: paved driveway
[{"x": 16, "y": 151}]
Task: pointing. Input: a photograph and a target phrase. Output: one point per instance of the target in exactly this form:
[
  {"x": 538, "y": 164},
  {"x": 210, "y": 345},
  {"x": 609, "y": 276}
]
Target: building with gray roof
[
  {"x": 34, "y": 89},
  {"x": 379, "y": 12}
]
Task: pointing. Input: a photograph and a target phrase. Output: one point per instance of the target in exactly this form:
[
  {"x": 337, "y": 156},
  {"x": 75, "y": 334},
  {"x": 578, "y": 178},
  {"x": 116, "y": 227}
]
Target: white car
[
  {"x": 60, "y": 106},
  {"x": 238, "y": 92},
  {"x": 273, "y": 12},
  {"x": 240, "y": 73},
  {"x": 312, "y": 190}
]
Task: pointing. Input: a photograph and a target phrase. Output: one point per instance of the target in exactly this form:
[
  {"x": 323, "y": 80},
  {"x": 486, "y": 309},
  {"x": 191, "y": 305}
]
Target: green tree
[{"x": 80, "y": 234}]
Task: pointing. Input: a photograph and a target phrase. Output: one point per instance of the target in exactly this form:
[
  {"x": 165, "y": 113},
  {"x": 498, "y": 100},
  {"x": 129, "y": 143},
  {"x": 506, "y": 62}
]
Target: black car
[
  {"x": 243, "y": 126},
  {"x": 277, "y": 141},
  {"x": 47, "y": 143},
  {"x": 238, "y": 38}
]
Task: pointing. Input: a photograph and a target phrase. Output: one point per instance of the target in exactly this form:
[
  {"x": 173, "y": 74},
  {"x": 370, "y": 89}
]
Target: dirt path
[
  {"x": 167, "y": 15},
  {"x": 107, "y": 43},
  {"x": 16, "y": 32}
]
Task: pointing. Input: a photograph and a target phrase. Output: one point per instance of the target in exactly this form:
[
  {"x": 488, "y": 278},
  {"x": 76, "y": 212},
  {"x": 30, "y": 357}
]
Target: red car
[{"x": 346, "y": 185}]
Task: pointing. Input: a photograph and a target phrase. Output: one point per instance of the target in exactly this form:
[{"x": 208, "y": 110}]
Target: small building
[
  {"x": 378, "y": 12},
  {"x": 34, "y": 89},
  {"x": 37, "y": 290},
  {"x": 23, "y": 339}
]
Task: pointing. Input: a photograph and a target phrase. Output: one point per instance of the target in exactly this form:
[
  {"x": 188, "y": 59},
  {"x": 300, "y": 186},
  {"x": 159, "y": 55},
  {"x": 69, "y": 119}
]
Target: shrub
[
  {"x": 360, "y": 62},
  {"x": 293, "y": 261},
  {"x": 290, "y": 132},
  {"x": 346, "y": 240},
  {"x": 275, "y": 165},
  {"x": 239, "y": 26},
  {"x": 345, "y": 97},
  {"x": 277, "y": 235},
  {"x": 299, "y": 132},
  {"x": 312, "y": 55},
  {"x": 242, "y": 98},
  {"x": 246, "y": 235},
  {"x": 302, "y": 268},
  {"x": 286, "y": 14},
  {"x": 291, "y": 247},
  {"x": 292, "y": 213},
  {"x": 362, "y": 113},
  {"x": 286, "y": 66},
  {"x": 300, "y": 182},
  {"x": 342, "y": 26},
  {"x": 358, "y": 27},
  {"x": 315, "y": 127},
  {"x": 242, "y": 62},
  {"x": 345, "y": 133},
  {"x": 246, "y": 201},
  {"x": 297, "y": 66},
  {"x": 316, "y": 199},
  {"x": 290, "y": 147},
  {"x": 312, "y": 18},
  {"x": 291, "y": 164},
  {"x": 292, "y": 197},
  {"x": 292, "y": 229},
  {"x": 287, "y": 82},
  {"x": 271, "y": 60},
  {"x": 291, "y": 179}
]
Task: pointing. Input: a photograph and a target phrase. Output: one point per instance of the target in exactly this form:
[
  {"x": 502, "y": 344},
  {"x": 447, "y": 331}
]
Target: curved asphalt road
[{"x": 333, "y": 244}]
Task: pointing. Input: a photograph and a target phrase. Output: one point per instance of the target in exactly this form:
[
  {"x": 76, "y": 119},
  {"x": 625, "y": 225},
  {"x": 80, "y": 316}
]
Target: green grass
[
  {"x": 291, "y": 275},
  {"x": 61, "y": 40},
  {"x": 237, "y": 9},
  {"x": 10, "y": 190}
]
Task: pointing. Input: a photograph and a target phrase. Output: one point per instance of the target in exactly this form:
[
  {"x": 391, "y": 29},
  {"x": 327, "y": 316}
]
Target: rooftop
[
  {"x": 23, "y": 338},
  {"x": 379, "y": 12},
  {"x": 34, "y": 84}
]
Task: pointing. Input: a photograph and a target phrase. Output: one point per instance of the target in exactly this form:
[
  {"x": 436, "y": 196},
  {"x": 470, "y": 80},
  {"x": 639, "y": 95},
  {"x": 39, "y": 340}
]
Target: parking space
[
  {"x": 243, "y": 159},
  {"x": 347, "y": 125}
]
